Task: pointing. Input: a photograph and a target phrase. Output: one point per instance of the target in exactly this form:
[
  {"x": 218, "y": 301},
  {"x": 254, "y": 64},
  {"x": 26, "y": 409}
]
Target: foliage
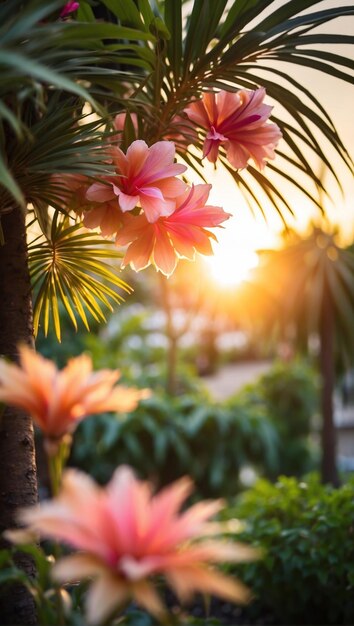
[
  {"x": 317, "y": 274},
  {"x": 53, "y": 604},
  {"x": 146, "y": 59},
  {"x": 166, "y": 438},
  {"x": 288, "y": 394},
  {"x": 306, "y": 531},
  {"x": 266, "y": 427},
  {"x": 65, "y": 268}
]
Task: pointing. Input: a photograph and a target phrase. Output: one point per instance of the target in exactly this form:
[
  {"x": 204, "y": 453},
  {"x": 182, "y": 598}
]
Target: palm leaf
[
  {"x": 69, "y": 267},
  {"x": 314, "y": 272},
  {"x": 226, "y": 53}
]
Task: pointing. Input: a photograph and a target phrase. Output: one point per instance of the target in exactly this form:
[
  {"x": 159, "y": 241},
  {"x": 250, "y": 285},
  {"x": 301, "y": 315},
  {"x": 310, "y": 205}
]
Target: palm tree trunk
[
  {"x": 18, "y": 483},
  {"x": 328, "y": 434}
]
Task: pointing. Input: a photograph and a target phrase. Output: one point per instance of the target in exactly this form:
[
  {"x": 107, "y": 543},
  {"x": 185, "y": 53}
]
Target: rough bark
[
  {"x": 328, "y": 434},
  {"x": 18, "y": 484}
]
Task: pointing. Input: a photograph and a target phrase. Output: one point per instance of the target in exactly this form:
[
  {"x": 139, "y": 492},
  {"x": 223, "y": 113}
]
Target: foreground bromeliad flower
[
  {"x": 59, "y": 400},
  {"x": 145, "y": 177},
  {"x": 170, "y": 238},
  {"x": 238, "y": 122},
  {"x": 128, "y": 535}
]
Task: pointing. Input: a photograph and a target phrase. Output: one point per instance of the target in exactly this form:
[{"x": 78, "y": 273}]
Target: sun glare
[{"x": 229, "y": 267}]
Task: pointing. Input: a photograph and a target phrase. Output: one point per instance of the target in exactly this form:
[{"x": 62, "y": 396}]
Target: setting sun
[{"x": 229, "y": 267}]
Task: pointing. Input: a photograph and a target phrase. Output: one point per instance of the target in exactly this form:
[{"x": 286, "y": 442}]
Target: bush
[
  {"x": 307, "y": 532},
  {"x": 288, "y": 395},
  {"x": 165, "y": 438}
]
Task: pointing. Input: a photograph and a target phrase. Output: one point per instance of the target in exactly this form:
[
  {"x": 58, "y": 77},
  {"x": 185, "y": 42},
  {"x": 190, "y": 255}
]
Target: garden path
[{"x": 232, "y": 377}]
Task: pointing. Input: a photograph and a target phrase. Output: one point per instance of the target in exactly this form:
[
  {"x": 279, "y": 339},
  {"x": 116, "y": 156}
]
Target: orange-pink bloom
[
  {"x": 145, "y": 177},
  {"x": 58, "y": 400},
  {"x": 119, "y": 121},
  {"x": 107, "y": 216},
  {"x": 170, "y": 238},
  {"x": 128, "y": 535},
  {"x": 238, "y": 122}
]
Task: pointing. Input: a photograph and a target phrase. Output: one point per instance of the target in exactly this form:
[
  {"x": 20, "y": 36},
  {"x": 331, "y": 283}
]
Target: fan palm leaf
[{"x": 68, "y": 267}]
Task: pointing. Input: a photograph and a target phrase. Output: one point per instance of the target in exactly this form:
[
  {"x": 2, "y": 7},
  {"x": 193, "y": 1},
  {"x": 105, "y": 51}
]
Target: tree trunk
[
  {"x": 18, "y": 484},
  {"x": 328, "y": 434}
]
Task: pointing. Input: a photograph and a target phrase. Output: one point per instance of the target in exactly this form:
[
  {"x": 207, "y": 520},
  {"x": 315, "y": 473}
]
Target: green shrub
[
  {"x": 307, "y": 532},
  {"x": 290, "y": 391},
  {"x": 165, "y": 438},
  {"x": 288, "y": 395}
]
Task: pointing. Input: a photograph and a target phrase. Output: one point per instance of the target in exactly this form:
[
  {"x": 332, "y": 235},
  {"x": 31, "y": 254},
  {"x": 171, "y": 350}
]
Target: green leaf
[
  {"x": 146, "y": 11},
  {"x": 102, "y": 30},
  {"x": 173, "y": 19},
  {"x": 42, "y": 73},
  {"x": 7, "y": 180},
  {"x": 10, "y": 117},
  {"x": 67, "y": 268},
  {"x": 126, "y": 11}
]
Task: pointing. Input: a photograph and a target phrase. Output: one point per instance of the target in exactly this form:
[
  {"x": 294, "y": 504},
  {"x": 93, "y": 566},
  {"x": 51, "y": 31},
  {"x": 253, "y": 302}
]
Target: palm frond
[
  {"x": 252, "y": 44},
  {"x": 221, "y": 45},
  {"x": 61, "y": 140},
  {"x": 67, "y": 267},
  {"x": 43, "y": 61},
  {"x": 310, "y": 274}
]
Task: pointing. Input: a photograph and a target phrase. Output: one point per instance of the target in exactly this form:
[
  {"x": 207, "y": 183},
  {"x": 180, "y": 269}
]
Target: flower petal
[
  {"x": 99, "y": 193},
  {"x": 164, "y": 254},
  {"x": 106, "y": 594},
  {"x": 126, "y": 202},
  {"x": 155, "y": 208},
  {"x": 145, "y": 594}
]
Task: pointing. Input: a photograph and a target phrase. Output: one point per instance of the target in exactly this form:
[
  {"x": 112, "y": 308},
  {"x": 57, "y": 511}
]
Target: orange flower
[
  {"x": 170, "y": 238},
  {"x": 238, "y": 121},
  {"x": 58, "y": 400},
  {"x": 128, "y": 535}
]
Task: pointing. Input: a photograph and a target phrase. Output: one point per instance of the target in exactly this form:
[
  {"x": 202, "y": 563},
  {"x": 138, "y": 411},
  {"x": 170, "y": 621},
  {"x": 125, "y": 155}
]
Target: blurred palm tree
[
  {"x": 312, "y": 282},
  {"x": 151, "y": 58}
]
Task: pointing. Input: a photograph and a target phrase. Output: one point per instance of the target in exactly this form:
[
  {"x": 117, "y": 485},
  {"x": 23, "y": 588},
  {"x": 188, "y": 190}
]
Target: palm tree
[
  {"x": 312, "y": 280},
  {"x": 142, "y": 57}
]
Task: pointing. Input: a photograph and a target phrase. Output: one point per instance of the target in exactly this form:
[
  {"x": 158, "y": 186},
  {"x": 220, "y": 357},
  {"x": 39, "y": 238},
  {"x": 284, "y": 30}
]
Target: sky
[{"x": 244, "y": 233}]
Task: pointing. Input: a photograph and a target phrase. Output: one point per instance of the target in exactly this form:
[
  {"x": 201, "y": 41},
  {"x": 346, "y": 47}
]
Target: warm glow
[{"x": 229, "y": 267}]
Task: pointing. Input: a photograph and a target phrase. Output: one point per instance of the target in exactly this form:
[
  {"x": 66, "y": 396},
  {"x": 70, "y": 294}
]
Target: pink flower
[
  {"x": 58, "y": 400},
  {"x": 145, "y": 177},
  {"x": 119, "y": 121},
  {"x": 127, "y": 535},
  {"x": 107, "y": 216},
  {"x": 238, "y": 121},
  {"x": 172, "y": 237},
  {"x": 69, "y": 7}
]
